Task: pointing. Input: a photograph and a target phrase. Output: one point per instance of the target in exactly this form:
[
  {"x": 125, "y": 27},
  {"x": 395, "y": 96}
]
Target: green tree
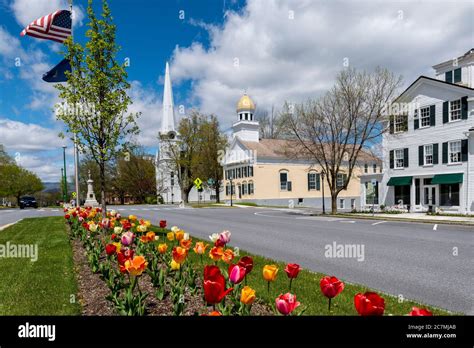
[
  {"x": 212, "y": 146},
  {"x": 95, "y": 100},
  {"x": 16, "y": 181}
]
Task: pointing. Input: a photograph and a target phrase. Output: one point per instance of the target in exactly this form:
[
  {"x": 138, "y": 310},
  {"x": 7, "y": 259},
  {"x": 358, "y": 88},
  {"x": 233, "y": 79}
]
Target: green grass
[
  {"x": 43, "y": 287},
  {"x": 306, "y": 287}
]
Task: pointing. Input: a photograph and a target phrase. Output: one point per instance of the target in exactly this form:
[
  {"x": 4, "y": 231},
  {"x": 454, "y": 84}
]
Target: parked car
[{"x": 28, "y": 201}]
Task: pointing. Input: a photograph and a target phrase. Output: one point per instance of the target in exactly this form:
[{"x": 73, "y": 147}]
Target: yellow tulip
[
  {"x": 180, "y": 235},
  {"x": 118, "y": 246},
  {"x": 248, "y": 295},
  {"x": 162, "y": 248},
  {"x": 174, "y": 265},
  {"x": 270, "y": 272},
  {"x": 170, "y": 236}
]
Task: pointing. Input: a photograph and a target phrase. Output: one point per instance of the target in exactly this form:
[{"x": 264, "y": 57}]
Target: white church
[{"x": 167, "y": 183}]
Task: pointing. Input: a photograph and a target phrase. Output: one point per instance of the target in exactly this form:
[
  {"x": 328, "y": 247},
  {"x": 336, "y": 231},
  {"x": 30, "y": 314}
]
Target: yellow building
[{"x": 261, "y": 172}]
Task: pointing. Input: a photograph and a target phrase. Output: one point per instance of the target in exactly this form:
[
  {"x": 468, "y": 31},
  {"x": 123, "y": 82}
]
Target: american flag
[{"x": 56, "y": 26}]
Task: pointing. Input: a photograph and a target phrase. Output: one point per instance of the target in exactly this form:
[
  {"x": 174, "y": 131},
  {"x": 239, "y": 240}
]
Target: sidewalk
[{"x": 422, "y": 217}]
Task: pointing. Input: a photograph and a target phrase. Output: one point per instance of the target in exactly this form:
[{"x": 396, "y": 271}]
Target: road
[{"x": 433, "y": 265}]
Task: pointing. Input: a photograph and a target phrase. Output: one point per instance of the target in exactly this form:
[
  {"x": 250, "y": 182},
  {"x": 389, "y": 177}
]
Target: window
[
  {"x": 283, "y": 181},
  {"x": 239, "y": 173},
  {"x": 374, "y": 167},
  {"x": 341, "y": 180},
  {"x": 245, "y": 169},
  {"x": 402, "y": 194},
  {"x": 172, "y": 178},
  {"x": 227, "y": 189},
  {"x": 313, "y": 181},
  {"x": 400, "y": 124},
  {"x": 449, "y": 194},
  {"x": 353, "y": 203},
  {"x": 371, "y": 193},
  {"x": 428, "y": 155},
  {"x": 366, "y": 168},
  {"x": 455, "y": 110},
  {"x": 342, "y": 203},
  {"x": 453, "y": 76},
  {"x": 425, "y": 117},
  {"x": 399, "y": 159},
  {"x": 244, "y": 188},
  {"x": 454, "y": 154},
  {"x": 250, "y": 187},
  {"x": 250, "y": 171}
]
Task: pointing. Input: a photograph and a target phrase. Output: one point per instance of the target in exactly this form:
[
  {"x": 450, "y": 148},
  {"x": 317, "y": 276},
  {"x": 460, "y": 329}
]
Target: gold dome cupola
[{"x": 245, "y": 108}]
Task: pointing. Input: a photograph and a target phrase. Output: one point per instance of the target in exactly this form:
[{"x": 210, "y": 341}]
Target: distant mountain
[{"x": 55, "y": 187}]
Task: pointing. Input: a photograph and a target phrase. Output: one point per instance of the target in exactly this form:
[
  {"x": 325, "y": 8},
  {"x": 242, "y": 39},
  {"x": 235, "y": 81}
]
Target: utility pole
[
  {"x": 322, "y": 183},
  {"x": 65, "y": 175}
]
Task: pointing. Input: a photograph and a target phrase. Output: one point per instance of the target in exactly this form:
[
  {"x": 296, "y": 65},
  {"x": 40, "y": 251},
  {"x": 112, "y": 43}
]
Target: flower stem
[
  {"x": 268, "y": 288},
  {"x": 329, "y": 308},
  {"x": 291, "y": 279}
]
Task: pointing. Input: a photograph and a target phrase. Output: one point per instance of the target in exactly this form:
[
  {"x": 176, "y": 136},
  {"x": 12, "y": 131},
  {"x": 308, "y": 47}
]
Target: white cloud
[
  {"x": 280, "y": 50},
  {"x": 19, "y": 136},
  {"x": 26, "y": 11}
]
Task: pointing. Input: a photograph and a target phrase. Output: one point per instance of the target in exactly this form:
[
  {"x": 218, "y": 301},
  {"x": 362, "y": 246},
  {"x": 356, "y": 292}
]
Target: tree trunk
[
  {"x": 333, "y": 203},
  {"x": 185, "y": 196},
  {"x": 102, "y": 187},
  {"x": 217, "y": 192}
]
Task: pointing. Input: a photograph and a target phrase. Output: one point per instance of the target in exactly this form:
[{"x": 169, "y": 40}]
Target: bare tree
[
  {"x": 271, "y": 125},
  {"x": 333, "y": 130}
]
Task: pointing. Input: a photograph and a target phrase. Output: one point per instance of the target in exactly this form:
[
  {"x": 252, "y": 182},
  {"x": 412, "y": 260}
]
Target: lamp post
[
  {"x": 322, "y": 182},
  {"x": 62, "y": 183},
  {"x": 65, "y": 175},
  {"x": 231, "y": 190}
]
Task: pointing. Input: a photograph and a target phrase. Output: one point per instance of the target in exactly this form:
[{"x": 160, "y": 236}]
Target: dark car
[{"x": 28, "y": 201}]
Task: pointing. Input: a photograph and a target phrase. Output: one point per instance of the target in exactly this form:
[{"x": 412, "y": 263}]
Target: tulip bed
[{"x": 210, "y": 276}]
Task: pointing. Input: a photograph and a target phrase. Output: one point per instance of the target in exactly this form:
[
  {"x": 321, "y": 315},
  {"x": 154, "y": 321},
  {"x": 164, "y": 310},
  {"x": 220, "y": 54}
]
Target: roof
[
  {"x": 279, "y": 148},
  {"x": 422, "y": 77},
  {"x": 450, "y": 61}
]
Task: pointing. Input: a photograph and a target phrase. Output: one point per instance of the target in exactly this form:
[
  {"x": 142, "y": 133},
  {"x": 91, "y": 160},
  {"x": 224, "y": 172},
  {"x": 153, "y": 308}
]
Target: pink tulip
[
  {"x": 236, "y": 273},
  {"x": 127, "y": 238},
  {"x": 286, "y": 303},
  {"x": 224, "y": 237}
]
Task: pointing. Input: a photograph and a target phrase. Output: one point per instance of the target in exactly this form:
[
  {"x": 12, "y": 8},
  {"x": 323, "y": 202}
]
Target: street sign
[
  {"x": 210, "y": 181},
  {"x": 74, "y": 195},
  {"x": 198, "y": 183}
]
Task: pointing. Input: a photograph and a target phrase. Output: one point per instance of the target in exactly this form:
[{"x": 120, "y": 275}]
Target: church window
[
  {"x": 245, "y": 171},
  {"x": 244, "y": 188},
  {"x": 251, "y": 189},
  {"x": 250, "y": 171}
]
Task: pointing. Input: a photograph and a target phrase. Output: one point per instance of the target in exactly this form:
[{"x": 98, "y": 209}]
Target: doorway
[{"x": 430, "y": 195}]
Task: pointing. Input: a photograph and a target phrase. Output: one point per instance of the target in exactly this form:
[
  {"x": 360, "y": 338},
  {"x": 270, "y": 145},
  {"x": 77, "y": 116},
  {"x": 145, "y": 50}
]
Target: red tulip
[
  {"x": 162, "y": 223},
  {"x": 113, "y": 236},
  {"x": 286, "y": 303},
  {"x": 331, "y": 286},
  {"x": 247, "y": 263},
  {"x": 236, "y": 273},
  {"x": 67, "y": 216},
  {"x": 110, "y": 249},
  {"x": 420, "y": 312},
  {"x": 214, "y": 285},
  {"x": 369, "y": 304},
  {"x": 292, "y": 270}
]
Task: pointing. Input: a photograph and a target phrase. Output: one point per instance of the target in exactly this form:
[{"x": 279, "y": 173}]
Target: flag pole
[{"x": 76, "y": 151}]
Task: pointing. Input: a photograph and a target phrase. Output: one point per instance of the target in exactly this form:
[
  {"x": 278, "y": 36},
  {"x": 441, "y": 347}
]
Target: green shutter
[
  {"x": 449, "y": 76},
  {"x": 391, "y": 159},
  {"x": 405, "y": 157},
  {"x": 464, "y": 108},
  {"x": 309, "y": 187},
  {"x": 464, "y": 144},
  {"x": 432, "y": 115},
  {"x": 446, "y": 112},
  {"x": 318, "y": 182},
  {"x": 457, "y": 75},
  {"x": 445, "y": 153},
  {"x": 416, "y": 122},
  {"x": 435, "y": 154},
  {"x": 421, "y": 160},
  {"x": 391, "y": 124}
]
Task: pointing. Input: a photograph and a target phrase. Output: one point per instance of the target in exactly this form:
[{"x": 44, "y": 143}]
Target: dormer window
[{"x": 453, "y": 76}]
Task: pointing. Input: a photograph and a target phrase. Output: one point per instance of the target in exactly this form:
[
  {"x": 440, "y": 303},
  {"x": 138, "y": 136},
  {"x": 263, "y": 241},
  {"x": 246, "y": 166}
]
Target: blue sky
[{"x": 276, "y": 50}]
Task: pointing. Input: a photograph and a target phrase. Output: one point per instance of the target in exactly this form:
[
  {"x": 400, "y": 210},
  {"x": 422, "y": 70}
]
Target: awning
[
  {"x": 400, "y": 181},
  {"x": 455, "y": 178}
]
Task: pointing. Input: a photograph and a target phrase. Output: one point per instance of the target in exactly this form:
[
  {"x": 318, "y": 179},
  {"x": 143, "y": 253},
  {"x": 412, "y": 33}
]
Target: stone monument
[{"x": 90, "y": 198}]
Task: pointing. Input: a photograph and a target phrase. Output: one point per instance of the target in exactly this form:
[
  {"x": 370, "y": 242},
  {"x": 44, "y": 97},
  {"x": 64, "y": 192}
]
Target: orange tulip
[
  {"x": 136, "y": 266},
  {"x": 186, "y": 244},
  {"x": 179, "y": 235},
  {"x": 216, "y": 253},
  {"x": 247, "y": 295},
  {"x": 270, "y": 272},
  {"x": 179, "y": 254},
  {"x": 200, "y": 248},
  {"x": 162, "y": 248},
  {"x": 228, "y": 256}
]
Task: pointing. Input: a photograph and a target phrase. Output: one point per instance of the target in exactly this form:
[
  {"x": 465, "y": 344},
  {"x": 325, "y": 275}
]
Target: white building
[
  {"x": 166, "y": 172},
  {"x": 429, "y": 151}
]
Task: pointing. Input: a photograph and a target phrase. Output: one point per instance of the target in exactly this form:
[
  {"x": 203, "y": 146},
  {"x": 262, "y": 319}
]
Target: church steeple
[
  {"x": 167, "y": 122},
  {"x": 246, "y": 128}
]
